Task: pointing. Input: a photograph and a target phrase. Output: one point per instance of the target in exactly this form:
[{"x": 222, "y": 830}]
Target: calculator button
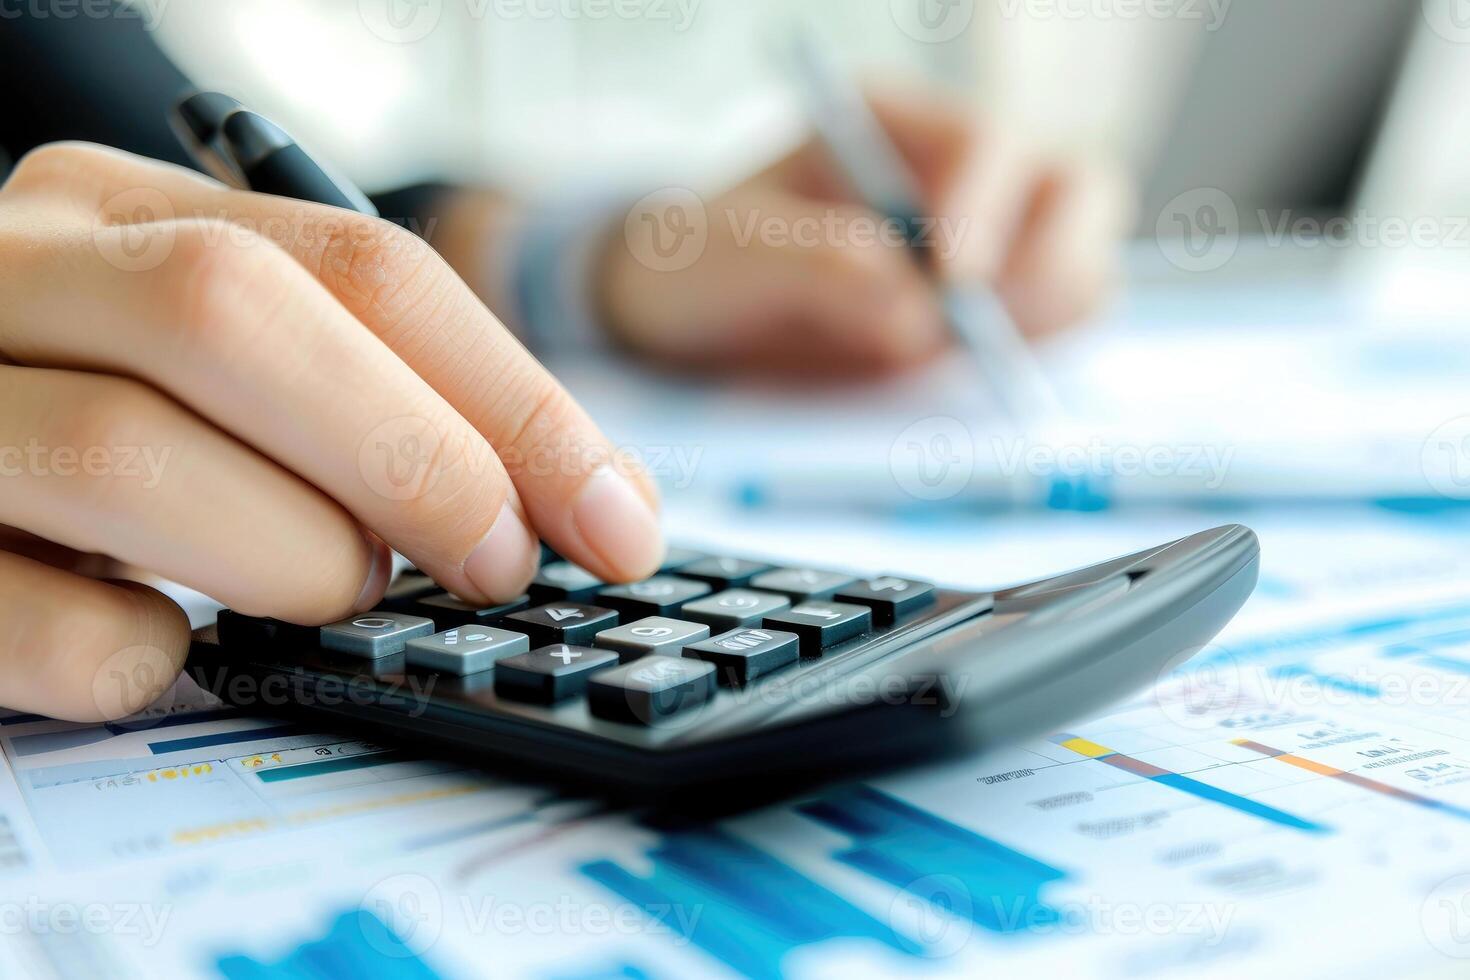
[
  {"x": 247, "y": 632},
  {"x": 724, "y": 573},
  {"x": 375, "y": 635},
  {"x": 465, "y": 649},
  {"x": 888, "y": 597},
  {"x": 822, "y": 624},
  {"x": 734, "y": 609},
  {"x": 658, "y": 596},
  {"x": 561, "y": 622},
  {"x": 652, "y": 635},
  {"x": 550, "y": 674},
  {"x": 677, "y": 558},
  {"x": 410, "y": 585},
  {"x": 801, "y": 583},
  {"x": 740, "y": 656},
  {"x": 651, "y": 689},
  {"x": 449, "y": 610},
  {"x": 562, "y": 580}
]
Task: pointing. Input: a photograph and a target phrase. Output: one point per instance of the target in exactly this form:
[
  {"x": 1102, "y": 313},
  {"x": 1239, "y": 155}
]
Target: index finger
[{"x": 594, "y": 505}]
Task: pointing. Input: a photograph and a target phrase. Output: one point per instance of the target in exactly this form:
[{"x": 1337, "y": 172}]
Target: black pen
[{"x": 247, "y": 150}]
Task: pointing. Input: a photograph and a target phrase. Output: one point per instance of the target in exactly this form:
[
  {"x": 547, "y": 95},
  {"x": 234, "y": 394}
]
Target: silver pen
[{"x": 881, "y": 178}]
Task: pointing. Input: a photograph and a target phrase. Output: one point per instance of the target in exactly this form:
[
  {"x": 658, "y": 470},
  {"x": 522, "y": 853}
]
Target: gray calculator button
[
  {"x": 465, "y": 649},
  {"x": 655, "y": 634},
  {"x": 801, "y": 583},
  {"x": 375, "y": 635},
  {"x": 734, "y": 609}
]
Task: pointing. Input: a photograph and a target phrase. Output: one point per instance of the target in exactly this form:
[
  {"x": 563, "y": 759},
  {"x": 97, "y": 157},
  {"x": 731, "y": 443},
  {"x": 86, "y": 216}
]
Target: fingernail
[
  {"x": 377, "y": 578},
  {"x": 502, "y": 565},
  {"x": 618, "y": 524}
]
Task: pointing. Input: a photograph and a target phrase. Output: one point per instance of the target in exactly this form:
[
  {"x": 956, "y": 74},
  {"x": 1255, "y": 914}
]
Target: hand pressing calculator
[{"x": 726, "y": 671}]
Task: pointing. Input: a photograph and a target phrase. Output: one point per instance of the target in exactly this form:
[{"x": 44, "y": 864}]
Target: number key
[{"x": 562, "y": 622}]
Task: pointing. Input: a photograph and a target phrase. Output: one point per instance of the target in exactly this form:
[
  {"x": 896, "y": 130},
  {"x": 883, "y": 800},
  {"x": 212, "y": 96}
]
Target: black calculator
[{"x": 728, "y": 671}]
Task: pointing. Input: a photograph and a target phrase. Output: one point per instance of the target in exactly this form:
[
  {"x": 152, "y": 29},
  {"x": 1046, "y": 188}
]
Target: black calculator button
[
  {"x": 550, "y": 674},
  {"x": 822, "y": 624},
  {"x": 449, "y": 610},
  {"x": 734, "y": 608},
  {"x": 740, "y": 656},
  {"x": 889, "y": 597},
  {"x": 661, "y": 595},
  {"x": 410, "y": 585},
  {"x": 562, "y": 622},
  {"x": 375, "y": 635},
  {"x": 656, "y": 634},
  {"x": 677, "y": 558},
  {"x": 651, "y": 689},
  {"x": 724, "y": 573},
  {"x": 561, "y": 580},
  {"x": 801, "y": 584},
  {"x": 245, "y": 632},
  {"x": 465, "y": 649}
]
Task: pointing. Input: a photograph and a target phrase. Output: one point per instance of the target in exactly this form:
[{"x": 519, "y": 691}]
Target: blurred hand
[
  {"x": 796, "y": 277},
  {"x": 255, "y": 397}
]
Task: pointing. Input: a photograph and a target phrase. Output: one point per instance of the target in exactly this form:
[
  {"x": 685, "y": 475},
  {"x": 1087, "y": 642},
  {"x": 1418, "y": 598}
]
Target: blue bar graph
[
  {"x": 901, "y": 844},
  {"x": 738, "y": 903},
  {"x": 749, "y": 909},
  {"x": 359, "y": 944}
]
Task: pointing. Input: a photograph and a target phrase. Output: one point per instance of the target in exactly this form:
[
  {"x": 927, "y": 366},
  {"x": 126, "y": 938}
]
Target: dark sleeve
[
  {"x": 85, "y": 77},
  {"x": 105, "y": 80}
]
